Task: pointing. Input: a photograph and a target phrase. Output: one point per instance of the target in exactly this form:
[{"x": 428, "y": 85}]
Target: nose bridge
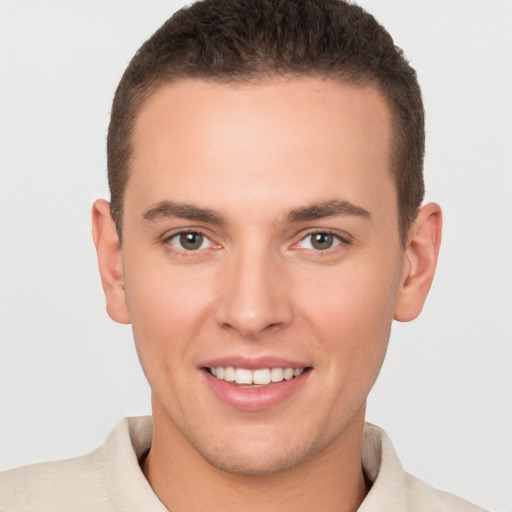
[{"x": 254, "y": 292}]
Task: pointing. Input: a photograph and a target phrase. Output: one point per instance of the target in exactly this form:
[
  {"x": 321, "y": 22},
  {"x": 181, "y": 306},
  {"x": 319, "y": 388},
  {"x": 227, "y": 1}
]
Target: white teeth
[
  {"x": 276, "y": 374},
  {"x": 259, "y": 377},
  {"x": 288, "y": 373},
  {"x": 229, "y": 374},
  {"x": 243, "y": 376}
]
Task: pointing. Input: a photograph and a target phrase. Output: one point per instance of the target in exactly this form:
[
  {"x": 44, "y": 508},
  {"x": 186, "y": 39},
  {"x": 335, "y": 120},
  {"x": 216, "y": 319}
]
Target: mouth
[
  {"x": 256, "y": 384},
  {"x": 254, "y": 378}
]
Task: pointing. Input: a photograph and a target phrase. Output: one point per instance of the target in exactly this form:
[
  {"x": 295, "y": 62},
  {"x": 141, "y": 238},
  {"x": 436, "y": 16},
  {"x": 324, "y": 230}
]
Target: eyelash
[
  {"x": 188, "y": 252},
  {"x": 339, "y": 241}
]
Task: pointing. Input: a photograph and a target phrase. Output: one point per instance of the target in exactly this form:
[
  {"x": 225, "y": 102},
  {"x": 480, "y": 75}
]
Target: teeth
[
  {"x": 276, "y": 374},
  {"x": 229, "y": 374},
  {"x": 288, "y": 373},
  {"x": 242, "y": 376},
  {"x": 259, "y": 377}
]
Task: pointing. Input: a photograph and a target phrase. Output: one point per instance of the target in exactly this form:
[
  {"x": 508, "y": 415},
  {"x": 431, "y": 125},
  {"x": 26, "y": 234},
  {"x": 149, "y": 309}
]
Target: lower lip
[{"x": 255, "y": 399}]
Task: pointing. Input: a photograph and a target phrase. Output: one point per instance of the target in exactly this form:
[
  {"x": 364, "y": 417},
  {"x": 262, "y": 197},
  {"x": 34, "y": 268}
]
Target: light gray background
[{"x": 68, "y": 374}]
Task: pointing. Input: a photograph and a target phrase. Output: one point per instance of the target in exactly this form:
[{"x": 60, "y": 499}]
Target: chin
[
  {"x": 254, "y": 464},
  {"x": 266, "y": 453}
]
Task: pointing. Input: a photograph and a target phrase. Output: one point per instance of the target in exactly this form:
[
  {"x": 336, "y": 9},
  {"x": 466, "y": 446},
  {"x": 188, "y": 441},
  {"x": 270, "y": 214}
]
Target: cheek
[
  {"x": 352, "y": 311},
  {"x": 168, "y": 308}
]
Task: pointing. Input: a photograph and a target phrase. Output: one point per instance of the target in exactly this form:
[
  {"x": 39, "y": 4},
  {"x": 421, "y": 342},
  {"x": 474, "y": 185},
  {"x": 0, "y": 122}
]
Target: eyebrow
[
  {"x": 333, "y": 208},
  {"x": 168, "y": 209},
  {"x": 325, "y": 209}
]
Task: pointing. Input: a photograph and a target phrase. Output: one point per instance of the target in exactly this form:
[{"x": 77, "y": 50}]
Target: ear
[
  {"x": 110, "y": 261},
  {"x": 421, "y": 254}
]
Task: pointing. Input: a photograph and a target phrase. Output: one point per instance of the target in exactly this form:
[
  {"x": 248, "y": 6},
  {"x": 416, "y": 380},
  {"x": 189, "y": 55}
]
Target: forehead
[{"x": 293, "y": 140}]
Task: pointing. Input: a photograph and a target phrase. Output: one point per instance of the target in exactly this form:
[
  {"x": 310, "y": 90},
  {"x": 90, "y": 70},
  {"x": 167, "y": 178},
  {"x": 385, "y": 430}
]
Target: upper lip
[{"x": 253, "y": 363}]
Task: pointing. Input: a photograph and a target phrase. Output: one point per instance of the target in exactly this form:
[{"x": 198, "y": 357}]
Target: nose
[{"x": 254, "y": 294}]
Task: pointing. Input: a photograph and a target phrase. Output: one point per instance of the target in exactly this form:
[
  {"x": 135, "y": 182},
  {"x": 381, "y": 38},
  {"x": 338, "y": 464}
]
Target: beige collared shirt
[{"x": 110, "y": 479}]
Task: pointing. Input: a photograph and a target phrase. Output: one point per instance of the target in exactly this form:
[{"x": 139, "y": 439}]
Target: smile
[{"x": 258, "y": 377}]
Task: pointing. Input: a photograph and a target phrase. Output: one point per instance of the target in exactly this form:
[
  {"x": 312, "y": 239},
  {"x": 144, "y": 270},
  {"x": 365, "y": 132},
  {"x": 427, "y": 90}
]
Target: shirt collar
[
  {"x": 383, "y": 469},
  {"x": 131, "y": 440}
]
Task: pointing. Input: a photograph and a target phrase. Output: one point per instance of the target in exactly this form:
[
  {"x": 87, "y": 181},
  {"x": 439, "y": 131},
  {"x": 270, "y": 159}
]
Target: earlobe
[
  {"x": 108, "y": 250},
  {"x": 421, "y": 253}
]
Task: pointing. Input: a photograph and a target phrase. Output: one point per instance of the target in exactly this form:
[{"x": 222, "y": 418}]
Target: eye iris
[
  {"x": 322, "y": 241},
  {"x": 191, "y": 241}
]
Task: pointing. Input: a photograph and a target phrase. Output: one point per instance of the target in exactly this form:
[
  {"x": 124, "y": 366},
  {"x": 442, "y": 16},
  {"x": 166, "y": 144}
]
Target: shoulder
[
  {"x": 422, "y": 497},
  {"x": 74, "y": 484},
  {"x": 105, "y": 480},
  {"x": 393, "y": 488}
]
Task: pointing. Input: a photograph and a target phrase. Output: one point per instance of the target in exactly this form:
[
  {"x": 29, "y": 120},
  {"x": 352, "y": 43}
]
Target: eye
[
  {"x": 320, "y": 241},
  {"x": 190, "y": 241}
]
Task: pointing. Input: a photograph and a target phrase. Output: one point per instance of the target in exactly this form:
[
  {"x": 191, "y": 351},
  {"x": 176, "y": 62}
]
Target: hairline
[{"x": 260, "y": 78}]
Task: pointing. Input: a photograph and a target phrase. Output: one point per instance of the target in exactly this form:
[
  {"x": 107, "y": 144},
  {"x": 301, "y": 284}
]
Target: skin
[{"x": 255, "y": 158}]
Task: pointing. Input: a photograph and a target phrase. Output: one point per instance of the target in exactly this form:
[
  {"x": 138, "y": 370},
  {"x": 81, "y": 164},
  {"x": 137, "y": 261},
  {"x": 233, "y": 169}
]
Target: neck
[{"x": 332, "y": 481}]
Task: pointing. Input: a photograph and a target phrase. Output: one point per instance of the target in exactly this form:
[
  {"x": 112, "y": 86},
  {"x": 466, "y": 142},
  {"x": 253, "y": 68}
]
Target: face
[{"x": 261, "y": 264}]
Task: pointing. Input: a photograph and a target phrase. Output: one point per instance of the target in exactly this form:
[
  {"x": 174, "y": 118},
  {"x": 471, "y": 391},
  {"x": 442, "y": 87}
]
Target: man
[{"x": 265, "y": 228}]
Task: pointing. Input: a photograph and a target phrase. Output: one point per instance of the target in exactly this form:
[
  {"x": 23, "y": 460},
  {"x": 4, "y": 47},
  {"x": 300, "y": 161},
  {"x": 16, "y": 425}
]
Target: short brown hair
[{"x": 250, "y": 40}]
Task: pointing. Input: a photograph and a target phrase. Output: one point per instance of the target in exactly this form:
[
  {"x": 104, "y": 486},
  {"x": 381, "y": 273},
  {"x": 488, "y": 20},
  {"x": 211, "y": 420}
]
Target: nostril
[{"x": 253, "y": 304}]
